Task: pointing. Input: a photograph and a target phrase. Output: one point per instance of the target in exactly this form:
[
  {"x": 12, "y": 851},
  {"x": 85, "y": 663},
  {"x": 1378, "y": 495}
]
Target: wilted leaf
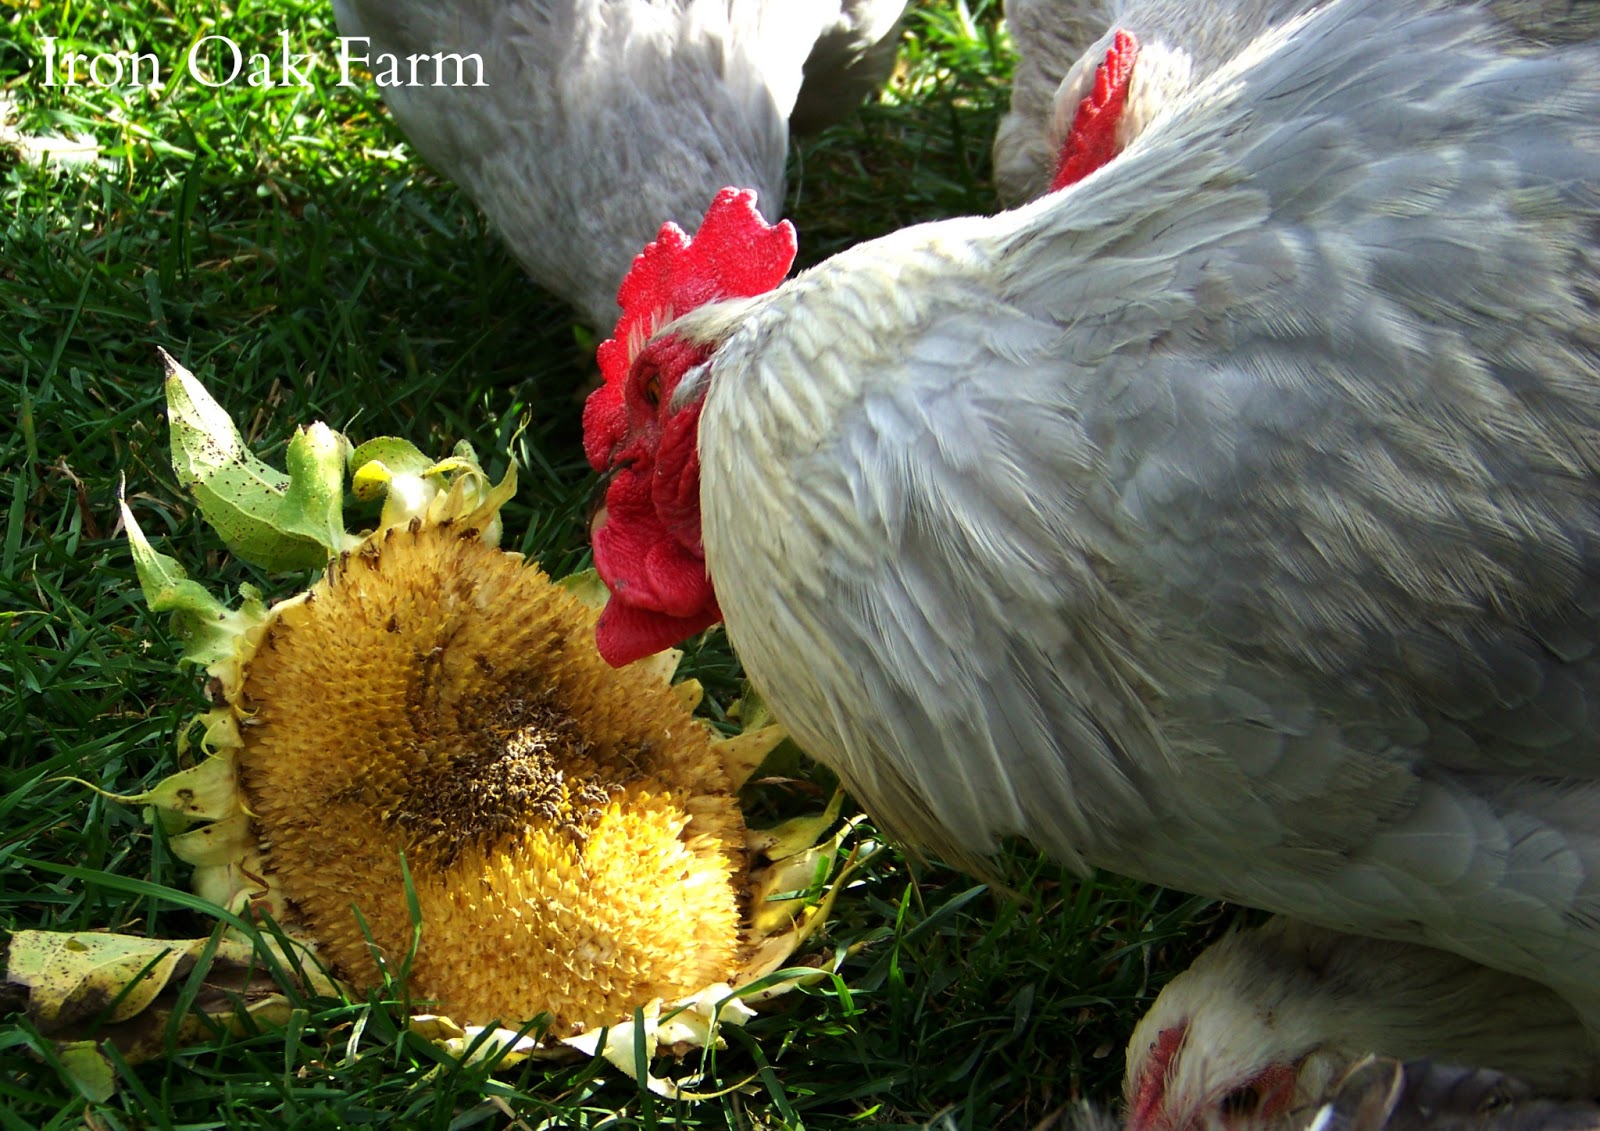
[
  {"x": 86, "y": 989},
  {"x": 275, "y": 520}
]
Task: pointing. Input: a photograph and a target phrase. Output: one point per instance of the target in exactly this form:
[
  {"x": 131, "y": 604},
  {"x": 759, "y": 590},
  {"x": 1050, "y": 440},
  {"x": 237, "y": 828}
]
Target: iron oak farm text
[{"x": 218, "y": 60}]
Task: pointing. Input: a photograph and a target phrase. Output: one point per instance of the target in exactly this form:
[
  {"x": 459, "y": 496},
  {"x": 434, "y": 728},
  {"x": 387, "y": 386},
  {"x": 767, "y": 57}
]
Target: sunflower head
[
  {"x": 573, "y": 842},
  {"x": 421, "y": 765}
]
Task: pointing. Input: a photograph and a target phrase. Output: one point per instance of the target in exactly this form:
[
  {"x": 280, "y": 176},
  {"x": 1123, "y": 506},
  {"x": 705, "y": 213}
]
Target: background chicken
[
  {"x": 601, "y": 118},
  {"x": 1382, "y": 1094},
  {"x": 1267, "y": 1021},
  {"x": 1227, "y": 520},
  {"x": 1181, "y": 42}
]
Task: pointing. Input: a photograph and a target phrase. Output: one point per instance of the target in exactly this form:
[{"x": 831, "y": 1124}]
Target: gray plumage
[
  {"x": 1312, "y": 1001},
  {"x": 603, "y": 118},
  {"x": 1386, "y": 1095},
  {"x": 849, "y": 60},
  {"x": 1230, "y": 519},
  {"x": 1382, "y": 1094},
  {"x": 1060, "y": 42}
]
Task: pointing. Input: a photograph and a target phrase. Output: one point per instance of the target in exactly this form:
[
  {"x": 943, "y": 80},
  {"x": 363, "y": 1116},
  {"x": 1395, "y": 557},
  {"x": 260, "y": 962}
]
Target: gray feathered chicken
[
  {"x": 1267, "y": 1021},
  {"x": 1062, "y": 45},
  {"x": 601, "y": 118},
  {"x": 1382, "y": 1094},
  {"x": 1228, "y": 518}
]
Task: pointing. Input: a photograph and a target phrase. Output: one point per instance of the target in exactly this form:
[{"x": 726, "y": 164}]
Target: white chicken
[
  {"x": 1380, "y": 1094},
  {"x": 1383, "y": 1094},
  {"x": 597, "y": 119},
  {"x": 1267, "y": 1021},
  {"x": 1180, "y": 43},
  {"x": 1228, "y": 519}
]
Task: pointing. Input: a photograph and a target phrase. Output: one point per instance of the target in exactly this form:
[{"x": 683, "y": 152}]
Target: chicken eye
[
  {"x": 1241, "y": 1101},
  {"x": 651, "y": 388},
  {"x": 1264, "y": 1096}
]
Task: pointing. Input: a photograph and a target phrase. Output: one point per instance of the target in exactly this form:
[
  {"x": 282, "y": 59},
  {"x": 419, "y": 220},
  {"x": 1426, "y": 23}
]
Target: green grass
[{"x": 284, "y": 246}]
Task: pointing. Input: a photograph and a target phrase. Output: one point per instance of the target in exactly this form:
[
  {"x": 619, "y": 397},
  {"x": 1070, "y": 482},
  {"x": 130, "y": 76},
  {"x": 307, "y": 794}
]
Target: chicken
[
  {"x": 1229, "y": 518},
  {"x": 1267, "y": 1020},
  {"x": 1386, "y": 1095},
  {"x": 1383, "y": 1094},
  {"x": 597, "y": 119},
  {"x": 1181, "y": 42}
]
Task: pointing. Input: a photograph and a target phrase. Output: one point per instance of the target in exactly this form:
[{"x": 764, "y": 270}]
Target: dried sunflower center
[
  {"x": 486, "y": 794},
  {"x": 571, "y": 836}
]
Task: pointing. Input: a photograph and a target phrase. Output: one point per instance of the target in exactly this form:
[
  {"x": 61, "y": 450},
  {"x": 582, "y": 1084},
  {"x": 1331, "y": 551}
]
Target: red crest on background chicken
[
  {"x": 1092, "y": 141},
  {"x": 651, "y": 557}
]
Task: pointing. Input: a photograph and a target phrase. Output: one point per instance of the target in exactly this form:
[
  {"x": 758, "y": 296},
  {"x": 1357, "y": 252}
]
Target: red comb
[
  {"x": 735, "y": 254},
  {"x": 1092, "y": 141}
]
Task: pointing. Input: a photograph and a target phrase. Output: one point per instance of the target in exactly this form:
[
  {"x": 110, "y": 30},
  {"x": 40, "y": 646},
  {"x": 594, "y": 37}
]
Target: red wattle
[
  {"x": 639, "y": 560},
  {"x": 625, "y": 634}
]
